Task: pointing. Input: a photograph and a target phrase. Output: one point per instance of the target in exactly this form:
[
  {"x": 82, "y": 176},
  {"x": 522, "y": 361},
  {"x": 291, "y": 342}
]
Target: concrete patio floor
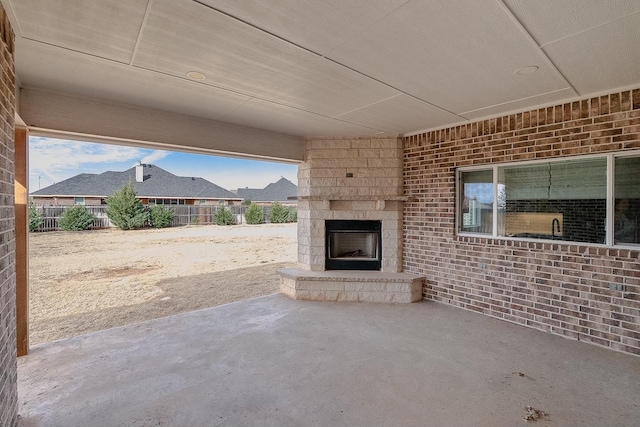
[{"x": 273, "y": 361}]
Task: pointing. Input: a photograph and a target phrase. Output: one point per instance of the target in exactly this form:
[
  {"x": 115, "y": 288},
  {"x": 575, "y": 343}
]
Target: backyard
[{"x": 87, "y": 281}]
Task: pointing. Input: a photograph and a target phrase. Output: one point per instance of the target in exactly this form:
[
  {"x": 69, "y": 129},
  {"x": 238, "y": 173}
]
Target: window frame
[
  {"x": 460, "y": 197},
  {"x": 494, "y": 167}
]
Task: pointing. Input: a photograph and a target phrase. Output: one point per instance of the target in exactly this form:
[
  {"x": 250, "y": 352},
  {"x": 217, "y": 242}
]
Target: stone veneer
[
  {"x": 8, "y": 363},
  {"x": 361, "y": 286},
  {"x": 562, "y": 288},
  {"x": 350, "y": 179}
]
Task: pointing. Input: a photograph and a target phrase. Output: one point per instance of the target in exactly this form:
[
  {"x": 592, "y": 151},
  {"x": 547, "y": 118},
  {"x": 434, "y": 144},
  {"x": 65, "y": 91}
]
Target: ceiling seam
[
  {"x": 590, "y": 29},
  {"x": 389, "y": 85},
  {"x": 142, "y": 27},
  {"x": 200, "y": 2},
  {"x": 236, "y": 108},
  {"x": 235, "y": 18},
  {"x": 93, "y": 55},
  {"x": 517, "y": 100},
  {"x": 533, "y": 41},
  {"x": 259, "y": 98},
  {"x": 367, "y": 106},
  {"x": 364, "y": 29}
]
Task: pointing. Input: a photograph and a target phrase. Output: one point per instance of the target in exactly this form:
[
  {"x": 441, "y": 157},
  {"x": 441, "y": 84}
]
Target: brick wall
[
  {"x": 64, "y": 201},
  {"x": 557, "y": 287},
  {"x": 8, "y": 367}
]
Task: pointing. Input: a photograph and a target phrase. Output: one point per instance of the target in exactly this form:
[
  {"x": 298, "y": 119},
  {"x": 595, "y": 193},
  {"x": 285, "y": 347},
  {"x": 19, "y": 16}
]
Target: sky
[{"x": 54, "y": 160}]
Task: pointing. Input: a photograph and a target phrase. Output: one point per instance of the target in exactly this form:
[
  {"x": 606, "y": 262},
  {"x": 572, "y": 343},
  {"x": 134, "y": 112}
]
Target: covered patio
[
  {"x": 389, "y": 109},
  {"x": 273, "y": 361}
]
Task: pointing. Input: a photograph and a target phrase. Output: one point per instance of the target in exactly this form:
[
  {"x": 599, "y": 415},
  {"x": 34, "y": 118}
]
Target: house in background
[
  {"x": 283, "y": 191},
  {"x": 152, "y": 184}
]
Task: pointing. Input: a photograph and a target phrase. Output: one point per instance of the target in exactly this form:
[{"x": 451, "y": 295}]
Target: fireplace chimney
[{"x": 139, "y": 172}]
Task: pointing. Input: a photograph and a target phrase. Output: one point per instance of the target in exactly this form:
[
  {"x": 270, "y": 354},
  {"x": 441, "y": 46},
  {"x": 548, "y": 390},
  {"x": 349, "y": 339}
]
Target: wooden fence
[
  {"x": 182, "y": 215},
  {"x": 51, "y": 213}
]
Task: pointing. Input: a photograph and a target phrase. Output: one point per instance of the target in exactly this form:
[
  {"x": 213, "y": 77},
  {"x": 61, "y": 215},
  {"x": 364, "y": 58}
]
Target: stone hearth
[
  {"x": 366, "y": 286},
  {"x": 350, "y": 179}
]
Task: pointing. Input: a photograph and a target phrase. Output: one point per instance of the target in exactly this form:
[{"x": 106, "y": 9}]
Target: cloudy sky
[{"x": 54, "y": 160}]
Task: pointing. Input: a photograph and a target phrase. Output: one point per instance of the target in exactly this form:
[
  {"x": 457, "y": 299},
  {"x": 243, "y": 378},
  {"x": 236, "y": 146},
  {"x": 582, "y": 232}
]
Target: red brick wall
[
  {"x": 64, "y": 201},
  {"x": 8, "y": 366},
  {"x": 557, "y": 287}
]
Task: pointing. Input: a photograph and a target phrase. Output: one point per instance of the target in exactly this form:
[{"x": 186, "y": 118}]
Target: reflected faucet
[{"x": 555, "y": 227}]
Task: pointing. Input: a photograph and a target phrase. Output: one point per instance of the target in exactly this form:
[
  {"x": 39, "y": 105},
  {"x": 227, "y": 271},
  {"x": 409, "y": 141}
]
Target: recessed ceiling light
[
  {"x": 527, "y": 70},
  {"x": 195, "y": 75}
]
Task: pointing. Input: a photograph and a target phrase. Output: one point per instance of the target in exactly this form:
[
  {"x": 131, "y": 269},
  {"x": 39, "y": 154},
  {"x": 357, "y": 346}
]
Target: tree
[
  {"x": 124, "y": 209},
  {"x": 160, "y": 216},
  {"x": 35, "y": 217},
  {"x": 293, "y": 215},
  {"x": 254, "y": 214},
  {"x": 278, "y": 214},
  {"x": 76, "y": 218},
  {"x": 224, "y": 216}
]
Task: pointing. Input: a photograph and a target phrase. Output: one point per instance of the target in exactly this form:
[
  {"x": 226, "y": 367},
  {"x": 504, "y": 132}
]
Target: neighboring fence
[
  {"x": 182, "y": 215},
  {"x": 51, "y": 213}
]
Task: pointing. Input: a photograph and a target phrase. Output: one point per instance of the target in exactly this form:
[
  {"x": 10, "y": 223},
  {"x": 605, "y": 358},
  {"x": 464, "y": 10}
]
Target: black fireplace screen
[{"x": 353, "y": 245}]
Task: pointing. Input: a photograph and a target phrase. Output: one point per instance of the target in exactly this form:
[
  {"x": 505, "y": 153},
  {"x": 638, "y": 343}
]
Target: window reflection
[
  {"x": 555, "y": 200},
  {"x": 477, "y": 201},
  {"x": 627, "y": 200}
]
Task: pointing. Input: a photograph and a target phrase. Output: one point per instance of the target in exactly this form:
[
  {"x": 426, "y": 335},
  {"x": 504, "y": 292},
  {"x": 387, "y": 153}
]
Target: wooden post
[{"x": 22, "y": 237}]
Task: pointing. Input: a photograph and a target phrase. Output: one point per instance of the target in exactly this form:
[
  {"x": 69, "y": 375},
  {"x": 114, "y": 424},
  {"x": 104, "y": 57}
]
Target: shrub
[
  {"x": 76, "y": 218},
  {"x": 281, "y": 214},
  {"x": 124, "y": 209},
  {"x": 160, "y": 216},
  {"x": 35, "y": 217},
  {"x": 278, "y": 214},
  {"x": 293, "y": 215},
  {"x": 253, "y": 214},
  {"x": 224, "y": 216}
]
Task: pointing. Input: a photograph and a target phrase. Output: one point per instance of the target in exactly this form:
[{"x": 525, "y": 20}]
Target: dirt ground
[{"x": 86, "y": 281}]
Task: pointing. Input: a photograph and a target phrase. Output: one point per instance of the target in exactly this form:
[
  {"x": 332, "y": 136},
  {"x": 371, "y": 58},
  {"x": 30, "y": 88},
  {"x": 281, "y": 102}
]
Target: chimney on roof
[{"x": 139, "y": 172}]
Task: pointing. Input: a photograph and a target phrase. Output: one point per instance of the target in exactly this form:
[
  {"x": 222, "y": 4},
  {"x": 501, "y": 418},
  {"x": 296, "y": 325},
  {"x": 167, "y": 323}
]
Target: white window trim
[{"x": 610, "y": 198}]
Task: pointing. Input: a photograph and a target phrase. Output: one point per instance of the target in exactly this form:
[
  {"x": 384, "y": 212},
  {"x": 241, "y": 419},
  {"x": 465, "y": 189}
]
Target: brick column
[{"x": 8, "y": 365}]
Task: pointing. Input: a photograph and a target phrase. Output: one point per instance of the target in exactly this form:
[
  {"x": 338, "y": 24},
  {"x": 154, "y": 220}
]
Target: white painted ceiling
[{"x": 329, "y": 67}]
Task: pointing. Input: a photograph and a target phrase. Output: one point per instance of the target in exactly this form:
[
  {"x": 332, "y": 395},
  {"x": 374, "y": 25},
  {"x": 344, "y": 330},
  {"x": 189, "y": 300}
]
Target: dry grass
[{"x": 82, "y": 282}]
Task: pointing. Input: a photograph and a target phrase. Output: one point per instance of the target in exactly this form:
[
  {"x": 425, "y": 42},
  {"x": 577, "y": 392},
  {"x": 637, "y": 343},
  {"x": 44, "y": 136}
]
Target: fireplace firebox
[{"x": 353, "y": 245}]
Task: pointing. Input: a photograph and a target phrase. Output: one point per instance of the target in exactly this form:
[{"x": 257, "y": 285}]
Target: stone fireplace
[
  {"x": 353, "y": 245},
  {"x": 345, "y": 181}
]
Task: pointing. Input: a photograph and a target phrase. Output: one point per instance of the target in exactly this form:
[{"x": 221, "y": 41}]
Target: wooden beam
[{"x": 22, "y": 237}]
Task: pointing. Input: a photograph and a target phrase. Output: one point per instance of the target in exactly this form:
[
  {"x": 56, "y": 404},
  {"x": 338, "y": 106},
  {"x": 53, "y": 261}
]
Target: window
[
  {"x": 78, "y": 200},
  {"x": 565, "y": 199},
  {"x": 202, "y": 202},
  {"x": 166, "y": 201},
  {"x": 476, "y": 193},
  {"x": 627, "y": 200}
]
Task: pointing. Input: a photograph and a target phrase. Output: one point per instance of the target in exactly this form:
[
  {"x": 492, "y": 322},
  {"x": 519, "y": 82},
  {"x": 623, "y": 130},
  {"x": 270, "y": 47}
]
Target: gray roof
[
  {"x": 157, "y": 182},
  {"x": 279, "y": 191}
]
